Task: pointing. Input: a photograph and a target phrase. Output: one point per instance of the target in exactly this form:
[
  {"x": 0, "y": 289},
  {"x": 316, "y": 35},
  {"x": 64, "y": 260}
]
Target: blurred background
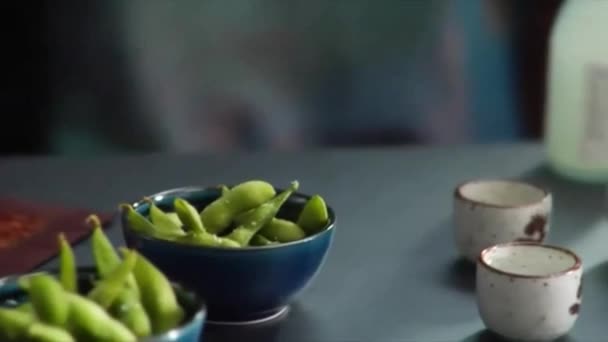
[{"x": 131, "y": 76}]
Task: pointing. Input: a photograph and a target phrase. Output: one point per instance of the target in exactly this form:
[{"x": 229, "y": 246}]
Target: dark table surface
[{"x": 392, "y": 274}]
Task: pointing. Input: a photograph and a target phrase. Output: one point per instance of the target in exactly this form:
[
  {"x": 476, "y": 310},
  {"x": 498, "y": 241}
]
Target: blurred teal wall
[
  {"x": 490, "y": 67},
  {"x": 217, "y": 75}
]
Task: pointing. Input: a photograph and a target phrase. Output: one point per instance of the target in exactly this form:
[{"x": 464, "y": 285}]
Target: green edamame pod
[
  {"x": 137, "y": 221},
  {"x": 109, "y": 288},
  {"x": 39, "y": 332},
  {"x": 48, "y": 299},
  {"x": 157, "y": 296},
  {"x": 67, "y": 265},
  {"x": 24, "y": 281},
  {"x": 244, "y": 217},
  {"x": 88, "y": 321},
  {"x": 128, "y": 309},
  {"x": 175, "y": 218},
  {"x": 277, "y": 229},
  {"x": 106, "y": 257},
  {"x": 282, "y": 231},
  {"x": 218, "y": 215},
  {"x": 188, "y": 215},
  {"x": 314, "y": 216},
  {"x": 260, "y": 240},
  {"x": 229, "y": 243},
  {"x": 224, "y": 189},
  {"x": 141, "y": 225},
  {"x": 17, "y": 326},
  {"x": 261, "y": 216},
  {"x": 14, "y": 324},
  {"x": 206, "y": 239},
  {"x": 162, "y": 221},
  {"x": 26, "y": 307}
]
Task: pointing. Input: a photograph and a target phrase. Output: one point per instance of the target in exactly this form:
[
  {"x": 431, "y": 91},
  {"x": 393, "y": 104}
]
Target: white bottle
[{"x": 576, "y": 125}]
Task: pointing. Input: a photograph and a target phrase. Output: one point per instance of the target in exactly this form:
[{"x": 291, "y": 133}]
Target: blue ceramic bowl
[
  {"x": 190, "y": 331},
  {"x": 239, "y": 285}
]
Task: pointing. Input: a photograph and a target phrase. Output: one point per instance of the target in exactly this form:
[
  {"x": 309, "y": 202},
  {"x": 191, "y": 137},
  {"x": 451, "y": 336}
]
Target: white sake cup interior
[
  {"x": 530, "y": 260},
  {"x": 501, "y": 193}
]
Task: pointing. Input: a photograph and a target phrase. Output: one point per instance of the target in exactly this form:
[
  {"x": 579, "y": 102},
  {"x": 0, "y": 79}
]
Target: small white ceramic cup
[
  {"x": 489, "y": 212},
  {"x": 529, "y": 292}
]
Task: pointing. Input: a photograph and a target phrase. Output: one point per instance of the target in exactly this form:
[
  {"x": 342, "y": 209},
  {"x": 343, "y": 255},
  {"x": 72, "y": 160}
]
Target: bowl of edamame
[
  {"x": 123, "y": 298},
  {"x": 248, "y": 249}
]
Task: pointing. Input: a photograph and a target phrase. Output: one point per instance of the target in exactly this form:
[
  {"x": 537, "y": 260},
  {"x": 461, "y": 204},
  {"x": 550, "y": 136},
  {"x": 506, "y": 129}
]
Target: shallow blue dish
[
  {"x": 240, "y": 286},
  {"x": 190, "y": 331}
]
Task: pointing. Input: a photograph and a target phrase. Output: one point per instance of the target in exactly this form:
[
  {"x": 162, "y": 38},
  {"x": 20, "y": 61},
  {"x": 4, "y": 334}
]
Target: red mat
[{"x": 28, "y": 232}]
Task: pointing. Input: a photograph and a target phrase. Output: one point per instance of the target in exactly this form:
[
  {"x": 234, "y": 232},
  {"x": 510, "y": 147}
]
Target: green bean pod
[
  {"x": 14, "y": 324},
  {"x": 106, "y": 257},
  {"x": 224, "y": 189},
  {"x": 129, "y": 310},
  {"x": 88, "y": 321},
  {"x": 157, "y": 296},
  {"x": 24, "y": 281},
  {"x": 261, "y": 216},
  {"x": 260, "y": 240},
  {"x": 277, "y": 229},
  {"x": 218, "y": 215},
  {"x": 110, "y": 287},
  {"x": 140, "y": 224},
  {"x": 39, "y": 332},
  {"x": 67, "y": 265},
  {"x": 126, "y": 308},
  {"x": 137, "y": 221},
  {"x": 206, "y": 239},
  {"x": 314, "y": 216},
  {"x": 48, "y": 299},
  {"x": 25, "y": 307},
  {"x": 162, "y": 221},
  {"x": 229, "y": 243},
  {"x": 175, "y": 218},
  {"x": 282, "y": 231},
  {"x": 188, "y": 215},
  {"x": 18, "y": 326}
]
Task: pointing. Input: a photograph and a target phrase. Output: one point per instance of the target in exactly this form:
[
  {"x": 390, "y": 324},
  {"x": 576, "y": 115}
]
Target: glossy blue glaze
[
  {"x": 190, "y": 331},
  {"x": 237, "y": 284}
]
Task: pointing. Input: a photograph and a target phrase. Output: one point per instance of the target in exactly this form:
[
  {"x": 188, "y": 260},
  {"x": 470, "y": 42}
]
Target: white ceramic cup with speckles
[
  {"x": 489, "y": 212},
  {"x": 529, "y": 292}
]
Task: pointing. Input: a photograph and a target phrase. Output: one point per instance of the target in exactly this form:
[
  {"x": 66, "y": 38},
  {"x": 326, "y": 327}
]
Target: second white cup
[{"x": 529, "y": 292}]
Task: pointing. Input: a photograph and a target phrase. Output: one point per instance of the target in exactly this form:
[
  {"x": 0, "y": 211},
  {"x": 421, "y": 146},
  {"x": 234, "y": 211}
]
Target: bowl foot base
[{"x": 265, "y": 317}]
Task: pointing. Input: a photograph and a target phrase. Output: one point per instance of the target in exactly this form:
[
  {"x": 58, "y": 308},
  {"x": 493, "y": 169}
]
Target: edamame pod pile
[
  {"x": 129, "y": 299},
  {"x": 244, "y": 215}
]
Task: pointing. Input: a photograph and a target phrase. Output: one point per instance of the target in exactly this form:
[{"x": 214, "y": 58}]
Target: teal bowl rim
[
  {"x": 326, "y": 230},
  {"x": 200, "y": 313}
]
